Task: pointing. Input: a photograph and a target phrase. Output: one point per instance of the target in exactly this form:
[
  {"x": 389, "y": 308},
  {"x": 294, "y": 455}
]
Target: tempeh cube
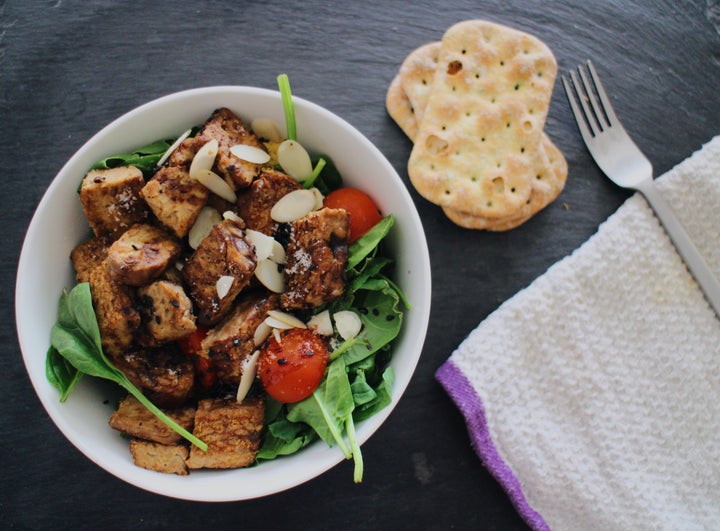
[
  {"x": 111, "y": 200},
  {"x": 231, "y": 431}
]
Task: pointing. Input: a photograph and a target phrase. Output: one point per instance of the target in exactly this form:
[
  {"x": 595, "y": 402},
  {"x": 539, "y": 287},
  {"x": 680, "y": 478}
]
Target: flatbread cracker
[
  {"x": 492, "y": 83},
  {"x": 399, "y": 108},
  {"x": 549, "y": 182},
  {"x": 416, "y": 76},
  {"x": 547, "y": 185}
]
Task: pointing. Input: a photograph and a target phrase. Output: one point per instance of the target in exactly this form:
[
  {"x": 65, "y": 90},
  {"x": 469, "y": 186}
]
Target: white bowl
[{"x": 59, "y": 224}]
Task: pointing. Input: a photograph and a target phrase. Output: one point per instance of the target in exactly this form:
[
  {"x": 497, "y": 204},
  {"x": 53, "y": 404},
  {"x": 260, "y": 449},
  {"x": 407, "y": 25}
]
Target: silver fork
[{"x": 622, "y": 161}]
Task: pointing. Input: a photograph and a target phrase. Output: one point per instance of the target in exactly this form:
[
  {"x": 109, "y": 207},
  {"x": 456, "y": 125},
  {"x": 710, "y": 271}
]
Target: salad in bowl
[{"x": 243, "y": 299}]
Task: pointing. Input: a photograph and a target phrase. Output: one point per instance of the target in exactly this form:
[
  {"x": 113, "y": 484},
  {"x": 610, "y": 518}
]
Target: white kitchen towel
[{"x": 593, "y": 395}]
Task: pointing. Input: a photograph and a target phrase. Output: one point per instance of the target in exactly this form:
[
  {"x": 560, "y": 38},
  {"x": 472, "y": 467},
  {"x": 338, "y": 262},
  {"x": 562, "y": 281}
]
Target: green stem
[
  {"x": 161, "y": 415},
  {"x": 310, "y": 181},
  {"x": 336, "y": 435},
  {"x": 355, "y": 447},
  {"x": 286, "y": 94},
  {"x": 344, "y": 346}
]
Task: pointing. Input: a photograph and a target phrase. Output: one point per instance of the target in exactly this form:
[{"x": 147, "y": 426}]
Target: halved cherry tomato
[
  {"x": 193, "y": 343},
  {"x": 205, "y": 370},
  {"x": 291, "y": 369},
  {"x": 364, "y": 215}
]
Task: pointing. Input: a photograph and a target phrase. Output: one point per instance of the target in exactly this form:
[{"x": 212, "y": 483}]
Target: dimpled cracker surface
[
  {"x": 399, "y": 108},
  {"x": 552, "y": 169},
  {"x": 477, "y": 146},
  {"x": 547, "y": 185},
  {"x": 416, "y": 76}
]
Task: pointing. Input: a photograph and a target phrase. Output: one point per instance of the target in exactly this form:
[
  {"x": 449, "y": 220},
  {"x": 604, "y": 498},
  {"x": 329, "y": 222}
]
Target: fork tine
[
  {"x": 607, "y": 106},
  {"x": 580, "y": 120},
  {"x": 591, "y": 102}
]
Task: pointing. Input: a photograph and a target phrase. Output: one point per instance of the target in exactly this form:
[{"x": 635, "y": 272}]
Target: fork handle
[{"x": 693, "y": 259}]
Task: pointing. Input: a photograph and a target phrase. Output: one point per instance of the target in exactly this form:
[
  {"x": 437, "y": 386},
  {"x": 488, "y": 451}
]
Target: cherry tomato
[
  {"x": 364, "y": 215},
  {"x": 205, "y": 370},
  {"x": 290, "y": 370},
  {"x": 192, "y": 344}
]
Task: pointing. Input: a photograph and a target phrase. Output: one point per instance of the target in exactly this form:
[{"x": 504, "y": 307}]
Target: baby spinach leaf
[
  {"x": 60, "y": 373},
  {"x": 367, "y": 243},
  {"x": 145, "y": 159},
  {"x": 328, "y": 408},
  {"x": 382, "y": 399},
  {"x": 371, "y": 268},
  {"x": 284, "y": 438},
  {"x": 381, "y": 317},
  {"x": 361, "y": 390},
  {"x": 76, "y": 338}
]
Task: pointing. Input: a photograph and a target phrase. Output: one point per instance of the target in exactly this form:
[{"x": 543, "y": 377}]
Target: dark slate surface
[{"x": 69, "y": 68}]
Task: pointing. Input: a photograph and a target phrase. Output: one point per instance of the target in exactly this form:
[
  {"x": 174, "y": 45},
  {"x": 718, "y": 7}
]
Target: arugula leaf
[{"x": 76, "y": 338}]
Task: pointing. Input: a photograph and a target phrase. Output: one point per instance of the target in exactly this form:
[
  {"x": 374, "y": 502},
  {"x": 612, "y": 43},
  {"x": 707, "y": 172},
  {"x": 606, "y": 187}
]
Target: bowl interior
[{"x": 59, "y": 224}]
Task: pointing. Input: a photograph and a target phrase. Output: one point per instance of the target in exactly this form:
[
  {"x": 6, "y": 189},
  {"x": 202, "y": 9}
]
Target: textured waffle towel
[{"x": 593, "y": 395}]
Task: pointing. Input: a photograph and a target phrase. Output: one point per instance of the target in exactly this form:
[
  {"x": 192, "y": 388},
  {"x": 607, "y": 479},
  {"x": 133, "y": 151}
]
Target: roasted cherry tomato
[
  {"x": 364, "y": 215},
  {"x": 291, "y": 369},
  {"x": 205, "y": 370}
]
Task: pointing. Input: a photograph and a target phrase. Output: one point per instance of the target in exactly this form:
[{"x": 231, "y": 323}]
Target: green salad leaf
[
  {"x": 61, "y": 373},
  {"x": 145, "y": 158},
  {"x": 328, "y": 408},
  {"x": 367, "y": 243},
  {"x": 358, "y": 380},
  {"x": 75, "y": 342}
]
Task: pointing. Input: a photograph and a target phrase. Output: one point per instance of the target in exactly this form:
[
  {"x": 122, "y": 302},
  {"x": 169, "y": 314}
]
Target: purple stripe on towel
[{"x": 466, "y": 399}]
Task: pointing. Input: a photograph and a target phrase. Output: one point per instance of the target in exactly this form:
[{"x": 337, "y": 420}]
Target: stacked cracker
[{"x": 475, "y": 106}]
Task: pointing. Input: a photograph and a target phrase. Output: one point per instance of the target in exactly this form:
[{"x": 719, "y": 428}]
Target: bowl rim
[{"x": 138, "y": 477}]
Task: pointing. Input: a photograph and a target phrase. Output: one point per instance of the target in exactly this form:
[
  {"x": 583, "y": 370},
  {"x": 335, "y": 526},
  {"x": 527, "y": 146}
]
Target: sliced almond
[
  {"x": 229, "y": 214},
  {"x": 319, "y": 198},
  {"x": 213, "y": 182},
  {"x": 294, "y": 160},
  {"x": 223, "y": 285},
  {"x": 262, "y": 332},
  {"x": 320, "y": 322},
  {"x": 173, "y": 147},
  {"x": 250, "y": 153},
  {"x": 348, "y": 324},
  {"x": 287, "y": 319},
  {"x": 278, "y": 254},
  {"x": 263, "y": 243},
  {"x": 267, "y": 129},
  {"x": 203, "y": 225},
  {"x": 292, "y": 206},
  {"x": 204, "y": 159},
  {"x": 249, "y": 371},
  {"x": 269, "y": 276}
]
